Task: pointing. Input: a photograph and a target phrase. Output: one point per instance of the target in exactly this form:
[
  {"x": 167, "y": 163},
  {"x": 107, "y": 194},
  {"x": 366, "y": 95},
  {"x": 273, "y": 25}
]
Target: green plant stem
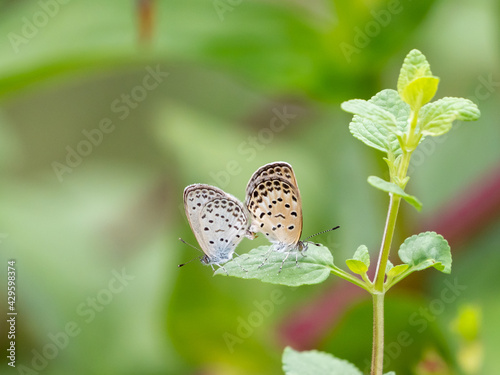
[
  {"x": 379, "y": 292},
  {"x": 347, "y": 276},
  {"x": 385, "y": 249},
  {"x": 397, "y": 279},
  {"x": 403, "y": 167},
  {"x": 394, "y": 202},
  {"x": 378, "y": 334}
]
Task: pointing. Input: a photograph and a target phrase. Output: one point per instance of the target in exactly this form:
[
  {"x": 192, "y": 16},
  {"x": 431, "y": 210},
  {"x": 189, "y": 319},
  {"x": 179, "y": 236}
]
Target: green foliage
[
  {"x": 228, "y": 38},
  {"x": 420, "y": 91},
  {"x": 360, "y": 262},
  {"x": 389, "y": 122},
  {"x": 426, "y": 250},
  {"x": 314, "y": 362},
  {"x": 372, "y": 113},
  {"x": 436, "y": 118},
  {"x": 414, "y": 66},
  {"x": 395, "y": 122},
  {"x": 416, "y": 85},
  {"x": 314, "y": 266},
  {"x": 389, "y": 187},
  {"x": 406, "y": 334},
  {"x": 392, "y": 113},
  {"x": 397, "y": 270}
]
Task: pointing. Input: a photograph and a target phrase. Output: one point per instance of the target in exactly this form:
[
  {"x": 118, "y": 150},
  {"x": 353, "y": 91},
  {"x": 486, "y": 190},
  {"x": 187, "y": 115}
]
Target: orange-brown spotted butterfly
[{"x": 273, "y": 200}]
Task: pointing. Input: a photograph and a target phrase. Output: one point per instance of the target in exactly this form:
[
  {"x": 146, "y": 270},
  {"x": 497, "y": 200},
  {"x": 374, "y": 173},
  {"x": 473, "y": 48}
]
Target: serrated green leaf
[
  {"x": 371, "y": 112},
  {"x": 356, "y": 266},
  {"x": 436, "y": 118},
  {"x": 314, "y": 267},
  {"x": 362, "y": 254},
  {"x": 374, "y": 134},
  {"x": 420, "y": 91},
  {"x": 425, "y": 250},
  {"x": 389, "y": 187},
  {"x": 414, "y": 66},
  {"x": 314, "y": 362},
  {"x": 397, "y": 270},
  {"x": 360, "y": 261}
]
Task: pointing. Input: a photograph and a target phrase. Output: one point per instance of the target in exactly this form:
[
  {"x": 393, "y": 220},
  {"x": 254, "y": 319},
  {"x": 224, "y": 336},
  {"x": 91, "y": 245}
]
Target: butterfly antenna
[
  {"x": 183, "y": 264},
  {"x": 317, "y": 234},
  {"x": 194, "y": 247}
]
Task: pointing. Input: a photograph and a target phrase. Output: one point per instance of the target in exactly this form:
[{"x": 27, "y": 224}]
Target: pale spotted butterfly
[{"x": 218, "y": 220}]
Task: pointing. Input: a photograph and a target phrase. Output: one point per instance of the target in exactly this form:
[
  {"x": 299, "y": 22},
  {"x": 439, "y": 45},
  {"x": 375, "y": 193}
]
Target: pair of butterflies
[{"x": 272, "y": 207}]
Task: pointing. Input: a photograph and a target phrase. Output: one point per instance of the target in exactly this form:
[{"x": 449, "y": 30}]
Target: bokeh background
[{"x": 207, "y": 91}]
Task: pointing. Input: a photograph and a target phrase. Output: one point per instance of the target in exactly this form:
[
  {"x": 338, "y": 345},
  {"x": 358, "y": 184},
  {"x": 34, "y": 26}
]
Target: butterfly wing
[
  {"x": 196, "y": 196},
  {"x": 223, "y": 224},
  {"x": 273, "y": 200},
  {"x": 278, "y": 169},
  {"x": 218, "y": 220}
]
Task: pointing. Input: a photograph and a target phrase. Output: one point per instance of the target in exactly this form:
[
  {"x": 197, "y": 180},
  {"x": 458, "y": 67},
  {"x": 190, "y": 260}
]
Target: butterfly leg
[
  {"x": 284, "y": 260},
  {"x": 238, "y": 263},
  {"x": 268, "y": 254},
  {"x": 223, "y": 269},
  {"x": 304, "y": 249},
  {"x": 297, "y": 258}
]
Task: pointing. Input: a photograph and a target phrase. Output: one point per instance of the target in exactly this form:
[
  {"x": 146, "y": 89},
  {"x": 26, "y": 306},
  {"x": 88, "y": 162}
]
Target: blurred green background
[{"x": 177, "y": 92}]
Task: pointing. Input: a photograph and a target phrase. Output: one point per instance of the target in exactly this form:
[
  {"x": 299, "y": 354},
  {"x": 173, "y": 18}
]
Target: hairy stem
[
  {"x": 385, "y": 248},
  {"x": 379, "y": 292},
  {"x": 394, "y": 201},
  {"x": 378, "y": 334}
]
